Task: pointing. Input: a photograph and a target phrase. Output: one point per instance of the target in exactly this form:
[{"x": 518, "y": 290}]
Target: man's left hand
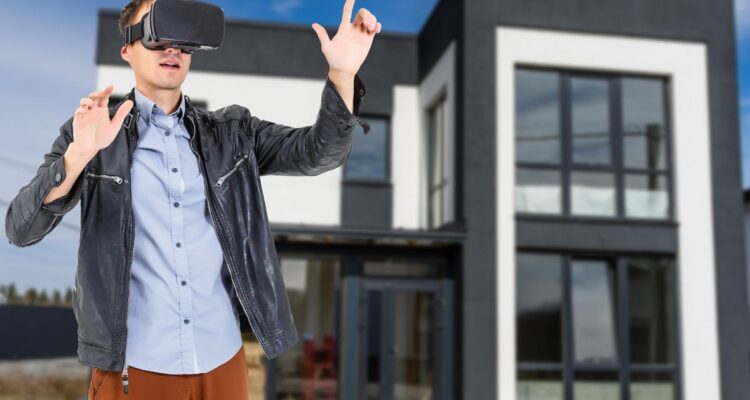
[{"x": 349, "y": 47}]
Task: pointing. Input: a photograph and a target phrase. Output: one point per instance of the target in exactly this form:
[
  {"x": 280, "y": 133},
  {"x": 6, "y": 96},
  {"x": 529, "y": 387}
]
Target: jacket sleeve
[
  {"x": 310, "y": 150},
  {"x": 28, "y": 220}
]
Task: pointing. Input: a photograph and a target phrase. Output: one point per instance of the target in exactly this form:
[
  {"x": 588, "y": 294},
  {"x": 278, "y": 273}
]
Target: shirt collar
[{"x": 146, "y": 107}]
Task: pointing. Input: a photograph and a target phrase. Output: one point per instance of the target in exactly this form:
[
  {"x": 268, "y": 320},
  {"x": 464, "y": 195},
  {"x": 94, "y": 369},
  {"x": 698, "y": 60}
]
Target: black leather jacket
[{"x": 234, "y": 149}]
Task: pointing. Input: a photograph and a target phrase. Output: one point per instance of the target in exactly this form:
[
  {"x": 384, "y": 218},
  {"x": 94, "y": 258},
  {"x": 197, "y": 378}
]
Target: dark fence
[{"x": 37, "y": 332}]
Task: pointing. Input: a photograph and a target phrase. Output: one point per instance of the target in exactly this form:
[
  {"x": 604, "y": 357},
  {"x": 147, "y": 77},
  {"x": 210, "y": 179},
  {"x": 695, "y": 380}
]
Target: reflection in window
[
  {"x": 539, "y": 385},
  {"x": 537, "y": 116},
  {"x": 538, "y": 191},
  {"x": 643, "y": 123},
  {"x": 593, "y": 306},
  {"x": 646, "y": 196},
  {"x": 539, "y": 308},
  {"x": 577, "y": 312},
  {"x": 591, "y": 118},
  {"x": 596, "y": 385},
  {"x": 592, "y": 193},
  {"x": 310, "y": 368},
  {"x": 651, "y": 311},
  {"x": 652, "y": 386},
  {"x": 369, "y": 156},
  {"x": 437, "y": 171},
  {"x": 591, "y": 144}
]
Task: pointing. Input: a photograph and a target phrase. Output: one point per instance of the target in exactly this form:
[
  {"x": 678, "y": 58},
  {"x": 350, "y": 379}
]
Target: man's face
[{"x": 150, "y": 66}]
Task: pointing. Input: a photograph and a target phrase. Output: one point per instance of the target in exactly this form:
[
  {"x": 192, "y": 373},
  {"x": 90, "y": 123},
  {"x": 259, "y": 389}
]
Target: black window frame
[
  {"x": 623, "y": 368},
  {"x": 387, "y": 180},
  {"x": 566, "y": 166}
]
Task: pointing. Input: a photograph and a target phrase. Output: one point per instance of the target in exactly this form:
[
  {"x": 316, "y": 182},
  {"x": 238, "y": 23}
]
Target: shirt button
[
  {"x": 174, "y": 169},
  {"x": 166, "y": 133},
  {"x": 184, "y": 283},
  {"x": 176, "y": 204},
  {"x": 178, "y": 244},
  {"x": 187, "y": 321}
]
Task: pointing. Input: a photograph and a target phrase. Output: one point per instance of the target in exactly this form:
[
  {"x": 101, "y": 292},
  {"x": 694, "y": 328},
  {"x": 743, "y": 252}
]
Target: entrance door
[{"x": 400, "y": 336}]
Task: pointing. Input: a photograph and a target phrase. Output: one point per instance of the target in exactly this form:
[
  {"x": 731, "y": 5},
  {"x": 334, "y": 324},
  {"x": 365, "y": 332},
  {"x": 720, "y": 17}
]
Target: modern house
[{"x": 547, "y": 206}]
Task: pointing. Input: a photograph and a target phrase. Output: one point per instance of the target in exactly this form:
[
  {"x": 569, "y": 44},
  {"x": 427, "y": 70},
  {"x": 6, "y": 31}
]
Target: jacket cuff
[
  {"x": 335, "y": 103},
  {"x": 55, "y": 177}
]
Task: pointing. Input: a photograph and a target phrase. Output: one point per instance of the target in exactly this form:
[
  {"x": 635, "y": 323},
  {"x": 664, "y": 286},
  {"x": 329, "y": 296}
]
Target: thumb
[
  {"x": 122, "y": 112},
  {"x": 322, "y": 34}
]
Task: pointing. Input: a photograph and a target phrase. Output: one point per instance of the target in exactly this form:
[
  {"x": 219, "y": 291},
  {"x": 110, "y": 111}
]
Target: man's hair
[{"x": 128, "y": 12}]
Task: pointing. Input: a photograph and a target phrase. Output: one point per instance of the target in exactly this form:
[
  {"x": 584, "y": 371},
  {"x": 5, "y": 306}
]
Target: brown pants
[{"x": 225, "y": 382}]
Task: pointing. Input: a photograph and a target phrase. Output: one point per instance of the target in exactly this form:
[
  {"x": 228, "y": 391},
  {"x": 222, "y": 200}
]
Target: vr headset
[{"x": 186, "y": 25}]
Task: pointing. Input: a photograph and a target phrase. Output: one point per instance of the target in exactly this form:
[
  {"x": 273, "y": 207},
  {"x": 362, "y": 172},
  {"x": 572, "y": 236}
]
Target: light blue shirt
[{"x": 181, "y": 319}]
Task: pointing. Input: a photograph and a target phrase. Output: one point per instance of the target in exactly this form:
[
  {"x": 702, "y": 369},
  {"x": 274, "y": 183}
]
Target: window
[
  {"x": 369, "y": 159},
  {"x": 595, "y": 327},
  {"x": 591, "y": 145},
  {"x": 436, "y": 165}
]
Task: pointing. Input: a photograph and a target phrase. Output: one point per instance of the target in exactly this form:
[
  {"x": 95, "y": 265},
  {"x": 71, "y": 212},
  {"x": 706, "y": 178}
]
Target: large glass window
[
  {"x": 370, "y": 152},
  {"x": 594, "y": 328},
  {"x": 591, "y": 145}
]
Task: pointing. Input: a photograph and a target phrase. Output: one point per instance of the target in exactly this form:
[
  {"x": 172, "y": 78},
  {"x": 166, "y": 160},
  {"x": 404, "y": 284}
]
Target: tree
[{"x": 56, "y": 298}]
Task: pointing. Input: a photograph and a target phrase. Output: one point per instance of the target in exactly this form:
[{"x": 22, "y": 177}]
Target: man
[{"x": 175, "y": 243}]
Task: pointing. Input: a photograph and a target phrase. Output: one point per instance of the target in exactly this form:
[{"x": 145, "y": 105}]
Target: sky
[{"x": 48, "y": 64}]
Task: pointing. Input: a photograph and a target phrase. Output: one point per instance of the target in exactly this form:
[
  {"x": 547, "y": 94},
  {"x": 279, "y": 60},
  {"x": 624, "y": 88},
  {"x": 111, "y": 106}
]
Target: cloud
[{"x": 286, "y": 7}]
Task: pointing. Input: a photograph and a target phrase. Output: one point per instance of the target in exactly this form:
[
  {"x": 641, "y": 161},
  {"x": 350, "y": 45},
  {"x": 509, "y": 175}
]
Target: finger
[
  {"x": 104, "y": 100},
  {"x": 122, "y": 112},
  {"x": 358, "y": 19},
  {"x": 98, "y": 93},
  {"x": 377, "y": 30},
  {"x": 346, "y": 16},
  {"x": 81, "y": 111},
  {"x": 322, "y": 34},
  {"x": 87, "y": 103}
]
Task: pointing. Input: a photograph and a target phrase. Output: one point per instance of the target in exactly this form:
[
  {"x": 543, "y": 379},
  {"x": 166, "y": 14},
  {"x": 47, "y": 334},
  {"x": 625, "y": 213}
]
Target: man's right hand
[{"x": 92, "y": 128}]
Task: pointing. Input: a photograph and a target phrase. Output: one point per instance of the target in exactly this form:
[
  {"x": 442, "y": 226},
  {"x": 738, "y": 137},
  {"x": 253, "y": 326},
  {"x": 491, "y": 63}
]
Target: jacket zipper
[
  {"x": 114, "y": 178},
  {"x": 221, "y": 180},
  {"x": 127, "y": 285},
  {"x": 218, "y": 226}
]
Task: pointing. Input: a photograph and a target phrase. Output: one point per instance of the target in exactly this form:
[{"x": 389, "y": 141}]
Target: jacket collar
[{"x": 130, "y": 124}]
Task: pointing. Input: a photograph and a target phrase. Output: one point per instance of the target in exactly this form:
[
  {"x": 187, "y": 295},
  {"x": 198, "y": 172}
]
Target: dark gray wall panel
[{"x": 366, "y": 205}]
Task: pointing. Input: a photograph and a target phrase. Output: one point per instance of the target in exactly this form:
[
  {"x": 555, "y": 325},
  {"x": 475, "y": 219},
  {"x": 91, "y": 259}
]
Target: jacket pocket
[
  {"x": 108, "y": 177},
  {"x": 222, "y": 179}
]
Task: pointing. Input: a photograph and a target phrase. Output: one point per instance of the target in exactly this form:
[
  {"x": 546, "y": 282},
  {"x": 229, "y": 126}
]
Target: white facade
[{"x": 684, "y": 64}]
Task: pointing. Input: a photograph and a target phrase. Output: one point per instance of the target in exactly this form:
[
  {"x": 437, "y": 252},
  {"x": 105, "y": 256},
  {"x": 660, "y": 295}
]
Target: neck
[{"x": 167, "y": 99}]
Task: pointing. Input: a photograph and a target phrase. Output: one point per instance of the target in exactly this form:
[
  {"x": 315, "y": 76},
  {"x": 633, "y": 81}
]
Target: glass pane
[
  {"x": 643, "y": 123},
  {"x": 309, "y": 369},
  {"x": 591, "y": 128},
  {"x": 652, "y": 310},
  {"x": 436, "y": 167},
  {"x": 539, "y": 385},
  {"x": 538, "y": 191},
  {"x": 593, "y": 193},
  {"x": 596, "y": 386},
  {"x": 537, "y": 116},
  {"x": 539, "y": 308},
  {"x": 593, "y": 296},
  {"x": 646, "y": 196},
  {"x": 374, "y": 342},
  {"x": 369, "y": 152},
  {"x": 414, "y": 352},
  {"x": 651, "y": 386}
]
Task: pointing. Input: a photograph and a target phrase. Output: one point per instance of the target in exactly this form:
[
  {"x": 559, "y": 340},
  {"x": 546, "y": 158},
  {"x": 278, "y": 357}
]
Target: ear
[{"x": 124, "y": 54}]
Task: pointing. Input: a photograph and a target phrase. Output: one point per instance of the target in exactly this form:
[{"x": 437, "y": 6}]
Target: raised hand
[
  {"x": 349, "y": 47},
  {"x": 92, "y": 128}
]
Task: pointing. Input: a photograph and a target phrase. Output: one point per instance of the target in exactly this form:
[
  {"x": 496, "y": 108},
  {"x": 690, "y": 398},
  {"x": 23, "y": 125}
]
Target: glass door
[{"x": 400, "y": 336}]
